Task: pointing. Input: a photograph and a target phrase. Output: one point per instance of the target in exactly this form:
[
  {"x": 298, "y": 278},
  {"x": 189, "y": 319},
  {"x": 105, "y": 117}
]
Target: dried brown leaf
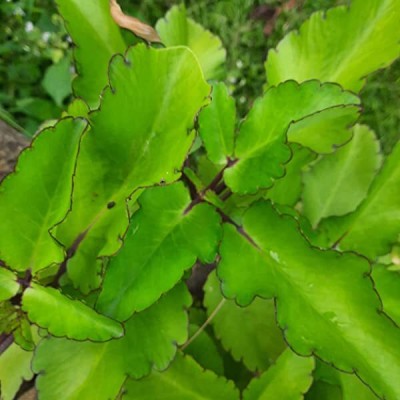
[{"x": 133, "y": 24}]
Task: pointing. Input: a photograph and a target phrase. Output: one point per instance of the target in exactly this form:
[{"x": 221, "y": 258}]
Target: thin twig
[{"x": 206, "y": 323}]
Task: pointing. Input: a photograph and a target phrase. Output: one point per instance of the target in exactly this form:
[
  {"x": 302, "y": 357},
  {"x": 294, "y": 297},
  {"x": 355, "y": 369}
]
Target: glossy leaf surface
[
  {"x": 332, "y": 292},
  {"x": 164, "y": 239},
  {"x": 8, "y": 284},
  {"x": 177, "y": 29},
  {"x": 98, "y": 370},
  {"x": 38, "y": 196},
  {"x": 156, "y": 95},
  {"x": 344, "y": 45},
  {"x": 339, "y": 182},
  {"x": 261, "y": 149},
  {"x": 288, "y": 379},
  {"x": 61, "y": 316},
  {"x": 249, "y": 333},
  {"x": 97, "y": 38},
  {"x": 217, "y": 124},
  {"x": 184, "y": 380}
]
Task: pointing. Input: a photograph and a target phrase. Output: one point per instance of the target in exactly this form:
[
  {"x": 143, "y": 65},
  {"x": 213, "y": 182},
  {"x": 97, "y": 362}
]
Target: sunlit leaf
[
  {"x": 164, "y": 239},
  {"x": 344, "y": 45},
  {"x": 326, "y": 303},
  {"x": 98, "y": 370},
  {"x": 177, "y": 29},
  {"x": 261, "y": 149},
  {"x": 61, "y": 316},
  {"x": 97, "y": 38},
  {"x": 156, "y": 95},
  {"x": 37, "y": 196}
]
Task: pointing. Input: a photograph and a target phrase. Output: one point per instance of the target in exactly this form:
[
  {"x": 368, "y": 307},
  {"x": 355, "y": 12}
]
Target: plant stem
[{"x": 206, "y": 323}]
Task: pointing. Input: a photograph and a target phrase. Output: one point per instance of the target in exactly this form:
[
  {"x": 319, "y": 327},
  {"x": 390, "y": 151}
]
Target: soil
[{"x": 11, "y": 144}]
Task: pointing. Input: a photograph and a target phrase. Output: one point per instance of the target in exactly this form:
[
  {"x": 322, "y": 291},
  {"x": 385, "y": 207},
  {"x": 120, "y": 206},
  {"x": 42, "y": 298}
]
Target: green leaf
[
  {"x": 259, "y": 341},
  {"x": 337, "y": 46},
  {"x": 387, "y": 283},
  {"x": 177, "y": 29},
  {"x": 261, "y": 148},
  {"x": 339, "y": 182},
  {"x": 57, "y": 80},
  {"x": 217, "y": 125},
  {"x": 61, "y": 316},
  {"x": 155, "y": 95},
  {"x": 322, "y": 390},
  {"x": 37, "y": 196},
  {"x": 375, "y": 225},
  {"x": 324, "y": 132},
  {"x": 326, "y": 303},
  {"x": 287, "y": 190},
  {"x": 204, "y": 350},
  {"x": 98, "y": 370},
  {"x": 164, "y": 239},
  {"x": 184, "y": 380},
  {"x": 15, "y": 367},
  {"x": 350, "y": 385},
  {"x": 288, "y": 379},
  {"x": 97, "y": 38},
  {"x": 8, "y": 284}
]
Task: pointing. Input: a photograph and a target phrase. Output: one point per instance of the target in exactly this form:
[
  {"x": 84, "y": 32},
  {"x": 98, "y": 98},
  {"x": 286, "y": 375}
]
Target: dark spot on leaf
[{"x": 110, "y": 205}]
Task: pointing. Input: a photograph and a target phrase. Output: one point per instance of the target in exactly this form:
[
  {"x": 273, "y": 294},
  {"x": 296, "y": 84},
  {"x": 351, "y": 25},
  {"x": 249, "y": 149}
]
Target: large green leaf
[
  {"x": 97, "y": 38},
  {"x": 184, "y": 380},
  {"x": 61, "y": 316},
  {"x": 344, "y": 45},
  {"x": 387, "y": 283},
  {"x": 139, "y": 137},
  {"x": 217, "y": 125},
  {"x": 375, "y": 225},
  {"x": 8, "y": 284},
  {"x": 339, "y": 182},
  {"x": 288, "y": 379},
  {"x": 259, "y": 341},
  {"x": 37, "y": 196},
  {"x": 15, "y": 366},
  {"x": 177, "y": 29},
  {"x": 261, "y": 148},
  {"x": 164, "y": 239},
  {"x": 326, "y": 303},
  {"x": 98, "y": 370}
]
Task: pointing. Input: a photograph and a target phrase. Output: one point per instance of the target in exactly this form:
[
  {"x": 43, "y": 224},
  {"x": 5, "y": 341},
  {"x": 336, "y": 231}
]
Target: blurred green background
[{"x": 36, "y": 66}]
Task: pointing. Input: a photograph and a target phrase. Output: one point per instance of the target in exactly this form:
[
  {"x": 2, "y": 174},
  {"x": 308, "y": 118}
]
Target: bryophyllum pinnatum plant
[{"x": 148, "y": 182}]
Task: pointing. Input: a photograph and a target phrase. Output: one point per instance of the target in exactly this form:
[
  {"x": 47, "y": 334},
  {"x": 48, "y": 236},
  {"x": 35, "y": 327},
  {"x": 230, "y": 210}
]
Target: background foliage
[{"x": 36, "y": 67}]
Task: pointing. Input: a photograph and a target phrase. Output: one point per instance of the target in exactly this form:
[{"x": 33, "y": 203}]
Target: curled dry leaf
[{"x": 133, "y": 24}]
